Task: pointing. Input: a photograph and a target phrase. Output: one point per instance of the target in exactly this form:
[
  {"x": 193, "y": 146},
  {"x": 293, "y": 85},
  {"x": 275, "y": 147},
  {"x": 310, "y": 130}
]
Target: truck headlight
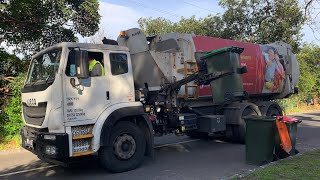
[
  {"x": 50, "y": 150},
  {"x": 49, "y": 137}
]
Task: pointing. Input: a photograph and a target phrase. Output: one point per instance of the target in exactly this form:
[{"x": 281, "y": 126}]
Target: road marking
[
  {"x": 24, "y": 171},
  {"x": 46, "y": 167},
  {"x": 183, "y": 142}
]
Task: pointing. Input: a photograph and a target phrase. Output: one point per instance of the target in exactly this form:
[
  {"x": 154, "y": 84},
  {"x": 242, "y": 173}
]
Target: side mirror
[{"x": 82, "y": 64}]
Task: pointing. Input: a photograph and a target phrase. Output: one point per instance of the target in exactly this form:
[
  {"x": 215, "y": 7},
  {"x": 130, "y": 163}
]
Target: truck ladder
[{"x": 190, "y": 67}]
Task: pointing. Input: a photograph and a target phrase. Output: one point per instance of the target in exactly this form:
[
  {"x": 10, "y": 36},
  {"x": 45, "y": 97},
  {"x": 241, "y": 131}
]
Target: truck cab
[{"x": 65, "y": 111}]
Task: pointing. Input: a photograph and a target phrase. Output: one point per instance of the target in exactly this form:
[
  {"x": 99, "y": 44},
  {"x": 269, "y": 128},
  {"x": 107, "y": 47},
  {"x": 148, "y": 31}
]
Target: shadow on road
[{"x": 205, "y": 158}]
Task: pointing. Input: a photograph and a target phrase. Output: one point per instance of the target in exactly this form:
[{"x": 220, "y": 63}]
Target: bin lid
[
  {"x": 222, "y": 50},
  {"x": 259, "y": 118},
  {"x": 288, "y": 119}
]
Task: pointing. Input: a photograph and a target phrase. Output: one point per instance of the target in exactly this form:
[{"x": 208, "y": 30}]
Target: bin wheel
[
  {"x": 239, "y": 131},
  {"x": 125, "y": 150}
]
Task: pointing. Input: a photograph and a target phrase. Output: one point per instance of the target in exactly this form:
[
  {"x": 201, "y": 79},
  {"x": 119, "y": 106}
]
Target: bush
[
  {"x": 11, "y": 120},
  {"x": 288, "y": 104}
]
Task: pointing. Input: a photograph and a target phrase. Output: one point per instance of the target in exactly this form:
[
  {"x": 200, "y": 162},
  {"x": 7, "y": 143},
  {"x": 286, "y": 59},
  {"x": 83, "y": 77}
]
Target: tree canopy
[
  {"x": 311, "y": 9},
  {"x": 258, "y": 21},
  {"x": 210, "y": 25},
  {"x": 30, "y": 25},
  {"x": 263, "y": 21},
  {"x": 309, "y": 62}
]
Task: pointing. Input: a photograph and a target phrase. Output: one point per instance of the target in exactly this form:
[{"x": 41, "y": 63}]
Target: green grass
[
  {"x": 306, "y": 166},
  {"x": 12, "y": 142},
  {"x": 301, "y": 109}
]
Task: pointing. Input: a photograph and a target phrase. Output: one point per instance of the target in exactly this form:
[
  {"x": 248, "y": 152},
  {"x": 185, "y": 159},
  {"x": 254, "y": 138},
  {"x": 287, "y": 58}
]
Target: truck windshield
[{"x": 43, "y": 67}]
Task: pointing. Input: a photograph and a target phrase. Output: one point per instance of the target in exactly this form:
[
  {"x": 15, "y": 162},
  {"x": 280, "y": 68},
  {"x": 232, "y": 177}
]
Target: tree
[
  {"x": 209, "y": 26},
  {"x": 258, "y": 21},
  {"x": 309, "y": 62},
  {"x": 263, "y": 21},
  {"x": 152, "y": 27},
  {"x": 30, "y": 25},
  {"x": 10, "y": 67},
  {"x": 311, "y": 9}
]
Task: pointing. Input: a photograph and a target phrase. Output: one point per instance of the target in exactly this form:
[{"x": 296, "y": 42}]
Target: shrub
[{"x": 11, "y": 120}]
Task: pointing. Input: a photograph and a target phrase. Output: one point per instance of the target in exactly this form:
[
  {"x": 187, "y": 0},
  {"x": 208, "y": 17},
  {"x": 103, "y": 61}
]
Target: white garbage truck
[{"x": 151, "y": 86}]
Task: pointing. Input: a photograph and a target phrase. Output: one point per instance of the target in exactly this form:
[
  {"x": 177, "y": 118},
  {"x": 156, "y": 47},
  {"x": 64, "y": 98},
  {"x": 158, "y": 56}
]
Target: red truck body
[{"x": 252, "y": 57}]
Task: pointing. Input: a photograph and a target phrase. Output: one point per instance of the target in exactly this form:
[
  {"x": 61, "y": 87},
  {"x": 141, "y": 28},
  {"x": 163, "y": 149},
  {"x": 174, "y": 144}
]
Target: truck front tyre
[{"x": 126, "y": 149}]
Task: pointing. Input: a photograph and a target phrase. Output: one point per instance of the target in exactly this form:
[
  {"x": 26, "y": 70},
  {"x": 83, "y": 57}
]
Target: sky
[{"x": 121, "y": 15}]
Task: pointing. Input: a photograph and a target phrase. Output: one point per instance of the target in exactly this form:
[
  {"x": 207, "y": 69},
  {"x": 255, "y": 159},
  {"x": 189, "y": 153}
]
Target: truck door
[{"x": 90, "y": 97}]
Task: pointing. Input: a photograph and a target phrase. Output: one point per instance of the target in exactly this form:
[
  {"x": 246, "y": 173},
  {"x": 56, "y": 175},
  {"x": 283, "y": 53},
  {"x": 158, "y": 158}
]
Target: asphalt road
[{"x": 175, "y": 158}]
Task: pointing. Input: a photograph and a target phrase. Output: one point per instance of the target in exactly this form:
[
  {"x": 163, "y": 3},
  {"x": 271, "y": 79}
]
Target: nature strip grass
[{"x": 305, "y": 166}]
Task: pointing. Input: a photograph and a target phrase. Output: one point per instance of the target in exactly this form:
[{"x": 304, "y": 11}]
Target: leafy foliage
[
  {"x": 309, "y": 61},
  {"x": 11, "y": 65},
  {"x": 209, "y": 26},
  {"x": 263, "y": 21},
  {"x": 258, "y": 21},
  {"x": 10, "y": 120},
  {"x": 31, "y": 25}
]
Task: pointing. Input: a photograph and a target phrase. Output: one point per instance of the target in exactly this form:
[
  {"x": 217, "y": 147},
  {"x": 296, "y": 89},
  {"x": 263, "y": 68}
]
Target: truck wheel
[
  {"x": 126, "y": 149},
  {"x": 239, "y": 131}
]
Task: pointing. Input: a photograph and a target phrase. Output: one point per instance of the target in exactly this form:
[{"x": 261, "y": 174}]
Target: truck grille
[
  {"x": 81, "y": 145},
  {"x": 34, "y": 114}
]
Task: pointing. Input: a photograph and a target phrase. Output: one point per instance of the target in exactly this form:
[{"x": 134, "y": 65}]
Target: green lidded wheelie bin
[
  {"x": 225, "y": 59},
  {"x": 259, "y": 139},
  {"x": 292, "y": 126}
]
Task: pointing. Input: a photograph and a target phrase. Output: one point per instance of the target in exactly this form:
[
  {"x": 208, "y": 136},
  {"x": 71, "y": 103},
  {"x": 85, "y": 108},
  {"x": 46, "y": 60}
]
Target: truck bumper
[{"x": 53, "y": 147}]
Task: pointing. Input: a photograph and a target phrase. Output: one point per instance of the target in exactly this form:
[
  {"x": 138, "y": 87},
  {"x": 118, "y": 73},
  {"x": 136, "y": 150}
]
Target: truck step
[
  {"x": 82, "y": 153},
  {"x": 83, "y": 136}
]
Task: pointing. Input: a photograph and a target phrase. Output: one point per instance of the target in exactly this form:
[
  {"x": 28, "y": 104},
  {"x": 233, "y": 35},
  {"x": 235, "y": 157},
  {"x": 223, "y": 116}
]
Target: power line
[
  {"x": 175, "y": 16},
  {"x": 197, "y": 6}
]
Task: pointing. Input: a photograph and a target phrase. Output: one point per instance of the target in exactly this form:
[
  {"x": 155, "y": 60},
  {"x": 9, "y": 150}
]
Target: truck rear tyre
[
  {"x": 125, "y": 150},
  {"x": 239, "y": 131},
  {"x": 273, "y": 112}
]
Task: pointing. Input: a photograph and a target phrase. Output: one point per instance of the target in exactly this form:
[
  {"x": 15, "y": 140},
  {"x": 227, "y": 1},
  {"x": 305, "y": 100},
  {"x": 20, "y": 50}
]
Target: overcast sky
[{"x": 121, "y": 15}]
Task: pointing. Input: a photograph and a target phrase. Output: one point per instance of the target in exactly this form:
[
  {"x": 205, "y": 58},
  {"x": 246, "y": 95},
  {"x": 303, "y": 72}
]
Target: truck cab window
[
  {"x": 96, "y": 66},
  {"x": 119, "y": 63},
  {"x": 44, "y": 67}
]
